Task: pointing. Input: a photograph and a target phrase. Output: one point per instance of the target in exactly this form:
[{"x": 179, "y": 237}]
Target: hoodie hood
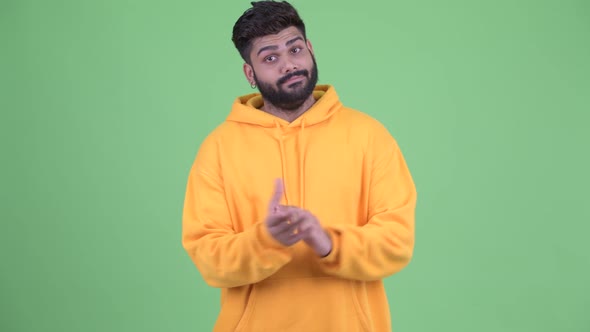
[{"x": 246, "y": 109}]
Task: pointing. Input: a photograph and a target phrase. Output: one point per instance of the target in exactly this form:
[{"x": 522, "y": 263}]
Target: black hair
[{"x": 262, "y": 19}]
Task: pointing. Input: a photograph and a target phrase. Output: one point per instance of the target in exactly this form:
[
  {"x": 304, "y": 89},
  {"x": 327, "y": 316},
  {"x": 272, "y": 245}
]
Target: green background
[{"x": 104, "y": 105}]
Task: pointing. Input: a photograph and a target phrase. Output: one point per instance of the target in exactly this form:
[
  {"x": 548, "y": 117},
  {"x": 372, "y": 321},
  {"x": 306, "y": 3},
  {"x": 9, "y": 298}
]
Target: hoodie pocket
[
  {"x": 304, "y": 304},
  {"x": 247, "y": 310}
]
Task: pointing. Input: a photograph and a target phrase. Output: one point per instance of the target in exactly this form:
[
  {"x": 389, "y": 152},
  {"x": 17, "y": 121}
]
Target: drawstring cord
[
  {"x": 283, "y": 163},
  {"x": 301, "y": 145}
]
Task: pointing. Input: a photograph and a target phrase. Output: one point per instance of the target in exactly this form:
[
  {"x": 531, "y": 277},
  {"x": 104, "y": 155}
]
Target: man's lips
[{"x": 295, "y": 79}]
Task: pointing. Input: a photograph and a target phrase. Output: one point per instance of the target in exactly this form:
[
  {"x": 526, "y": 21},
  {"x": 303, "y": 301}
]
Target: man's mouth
[{"x": 295, "y": 79}]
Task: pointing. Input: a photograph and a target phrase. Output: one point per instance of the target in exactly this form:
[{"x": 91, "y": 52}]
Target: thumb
[{"x": 277, "y": 195}]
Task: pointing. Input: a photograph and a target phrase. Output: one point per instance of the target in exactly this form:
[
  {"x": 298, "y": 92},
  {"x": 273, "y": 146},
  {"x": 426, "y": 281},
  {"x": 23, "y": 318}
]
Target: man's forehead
[{"x": 278, "y": 39}]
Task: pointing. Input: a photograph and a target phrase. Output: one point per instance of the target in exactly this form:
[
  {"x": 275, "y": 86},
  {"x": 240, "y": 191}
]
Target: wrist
[{"x": 323, "y": 244}]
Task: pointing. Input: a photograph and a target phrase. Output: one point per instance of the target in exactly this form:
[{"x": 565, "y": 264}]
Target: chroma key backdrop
[{"x": 104, "y": 105}]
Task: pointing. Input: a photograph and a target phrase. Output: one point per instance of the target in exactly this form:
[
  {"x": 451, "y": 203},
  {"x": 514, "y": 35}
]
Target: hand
[
  {"x": 311, "y": 231},
  {"x": 282, "y": 221}
]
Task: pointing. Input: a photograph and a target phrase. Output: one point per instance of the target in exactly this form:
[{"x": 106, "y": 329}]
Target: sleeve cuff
[
  {"x": 334, "y": 254},
  {"x": 266, "y": 239}
]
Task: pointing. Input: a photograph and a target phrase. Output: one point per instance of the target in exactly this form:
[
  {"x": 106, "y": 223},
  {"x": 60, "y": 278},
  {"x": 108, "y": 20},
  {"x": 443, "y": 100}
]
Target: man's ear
[
  {"x": 249, "y": 73},
  {"x": 310, "y": 47}
]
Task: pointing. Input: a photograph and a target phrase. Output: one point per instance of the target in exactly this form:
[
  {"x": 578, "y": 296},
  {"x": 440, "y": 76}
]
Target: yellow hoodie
[{"x": 336, "y": 162}]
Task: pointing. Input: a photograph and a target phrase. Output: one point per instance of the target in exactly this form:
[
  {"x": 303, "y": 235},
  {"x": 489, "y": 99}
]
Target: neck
[{"x": 288, "y": 115}]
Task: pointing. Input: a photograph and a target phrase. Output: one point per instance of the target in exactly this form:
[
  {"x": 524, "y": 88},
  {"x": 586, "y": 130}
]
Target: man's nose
[{"x": 289, "y": 67}]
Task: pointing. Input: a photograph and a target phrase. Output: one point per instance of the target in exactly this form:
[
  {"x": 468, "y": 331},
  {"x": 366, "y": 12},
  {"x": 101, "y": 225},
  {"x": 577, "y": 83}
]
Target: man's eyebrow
[
  {"x": 274, "y": 47},
  {"x": 293, "y": 40}
]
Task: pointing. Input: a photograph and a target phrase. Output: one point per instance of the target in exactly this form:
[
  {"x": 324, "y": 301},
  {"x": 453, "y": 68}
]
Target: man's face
[{"x": 284, "y": 68}]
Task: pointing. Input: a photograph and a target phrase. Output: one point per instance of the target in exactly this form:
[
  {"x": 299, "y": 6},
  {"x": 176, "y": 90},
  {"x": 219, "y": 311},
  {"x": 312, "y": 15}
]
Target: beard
[{"x": 299, "y": 91}]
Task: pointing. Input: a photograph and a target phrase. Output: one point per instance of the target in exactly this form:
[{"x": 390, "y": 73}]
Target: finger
[
  {"x": 305, "y": 226},
  {"x": 277, "y": 195},
  {"x": 277, "y": 218},
  {"x": 290, "y": 239},
  {"x": 286, "y": 231},
  {"x": 295, "y": 213},
  {"x": 283, "y": 223},
  {"x": 291, "y": 226}
]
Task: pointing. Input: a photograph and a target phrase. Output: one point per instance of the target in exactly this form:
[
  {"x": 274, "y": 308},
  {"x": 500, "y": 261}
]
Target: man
[{"x": 312, "y": 255}]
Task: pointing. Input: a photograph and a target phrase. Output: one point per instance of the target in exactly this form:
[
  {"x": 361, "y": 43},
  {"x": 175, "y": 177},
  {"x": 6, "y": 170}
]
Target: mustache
[{"x": 287, "y": 77}]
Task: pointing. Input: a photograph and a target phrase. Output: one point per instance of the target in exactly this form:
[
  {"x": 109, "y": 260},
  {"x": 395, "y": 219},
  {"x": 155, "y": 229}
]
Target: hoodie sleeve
[
  {"x": 384, "y": 245},
  {"x": 224, "y": 257}
]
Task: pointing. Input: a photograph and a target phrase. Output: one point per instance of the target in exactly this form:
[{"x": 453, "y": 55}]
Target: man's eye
[
  {"x": 270, "y": 58},
  {"x": 296, "y": 50}
]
